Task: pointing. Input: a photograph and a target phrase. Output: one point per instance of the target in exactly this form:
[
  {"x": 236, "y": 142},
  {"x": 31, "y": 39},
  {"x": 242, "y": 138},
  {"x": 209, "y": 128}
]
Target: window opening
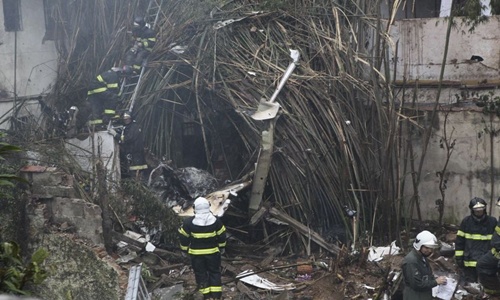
[{"x": 12, "y": 15}]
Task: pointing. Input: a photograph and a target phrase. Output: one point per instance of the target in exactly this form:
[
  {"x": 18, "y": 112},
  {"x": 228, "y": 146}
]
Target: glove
[
  {"x": 112, "y": 132},
  {"x": 460, "y": 262},
  {"x": 222, "y": 251}
]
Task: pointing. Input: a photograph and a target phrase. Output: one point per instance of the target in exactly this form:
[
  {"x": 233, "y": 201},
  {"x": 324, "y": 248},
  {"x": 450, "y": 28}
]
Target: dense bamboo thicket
[{"x": 336, "y": 141}]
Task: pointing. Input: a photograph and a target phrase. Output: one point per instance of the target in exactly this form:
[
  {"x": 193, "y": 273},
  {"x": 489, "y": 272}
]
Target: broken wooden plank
[
  {"x": 139, "y": 246},
  {"x": 258, "y": 216},
  {"x": 242, "y": 288},
  {"x": 229, "y": 269},
  {"x": 132, "y": 244},
  {"x": 308, "y": 232}
]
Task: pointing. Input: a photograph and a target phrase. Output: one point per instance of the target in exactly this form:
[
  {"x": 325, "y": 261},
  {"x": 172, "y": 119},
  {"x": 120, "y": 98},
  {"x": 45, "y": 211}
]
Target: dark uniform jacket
[
  {"x": 473, "y": 239},
  {"x": 132, "y": 144},
  {"x": 103, "y": 95},
  {"x": 146, "y": 36},
  {"x": 202, "y": 240},
  {"x": 487, "y": 265},
  {"x": 418, "y": 277},
  {"x": 105, "y": 85},
  {"x": 495, "y": 241}
]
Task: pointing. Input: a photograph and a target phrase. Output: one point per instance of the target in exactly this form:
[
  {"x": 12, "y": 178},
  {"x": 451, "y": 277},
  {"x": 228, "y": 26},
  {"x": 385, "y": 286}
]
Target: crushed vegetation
[{"x": 339, "y": 136}]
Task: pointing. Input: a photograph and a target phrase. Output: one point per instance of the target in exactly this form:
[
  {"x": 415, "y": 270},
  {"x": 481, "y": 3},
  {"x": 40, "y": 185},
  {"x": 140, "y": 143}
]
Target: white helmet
[
  {"x": 201, "y": 205},
  {"x": 427, "y": 239}
]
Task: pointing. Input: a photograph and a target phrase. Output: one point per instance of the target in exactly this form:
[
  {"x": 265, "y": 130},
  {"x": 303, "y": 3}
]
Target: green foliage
[
  {"x": 14, "y": 275},
  {"x": 471, "y": 11},
  {"x": 150, "y": 209},
  {"x": 5, "y": 150},
  {"x": 489, "y": 103},
  {"x": 495, "y": 7}
]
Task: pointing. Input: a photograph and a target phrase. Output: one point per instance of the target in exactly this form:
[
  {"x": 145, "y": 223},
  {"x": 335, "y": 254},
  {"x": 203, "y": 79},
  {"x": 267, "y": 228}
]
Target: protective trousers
[
  {"x": 208, "y": 275},
  {"x": 134, "y": 58},
  {"x": 97, "y": 106},
  {"x": 487, "y": 267}
]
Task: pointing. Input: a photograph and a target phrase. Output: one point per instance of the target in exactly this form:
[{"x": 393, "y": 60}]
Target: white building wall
[
  {"x": 421, "y": 43},
  {"x": 99, "y": 146},
  {"x": 36, "y": 64},
  {"x": 468, "y": 171},
  {"x": 418, "y": 57}
]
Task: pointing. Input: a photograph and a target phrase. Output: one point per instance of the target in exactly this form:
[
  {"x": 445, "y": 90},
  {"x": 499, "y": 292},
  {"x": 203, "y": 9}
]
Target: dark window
[
  {"x": 50, "y": 23},
  {"x": 188, "y": 129},
  {"x": 12, "y": 15}
]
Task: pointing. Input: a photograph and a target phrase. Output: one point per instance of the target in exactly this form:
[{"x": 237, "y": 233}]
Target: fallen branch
[{"x": 308, "y": 232}]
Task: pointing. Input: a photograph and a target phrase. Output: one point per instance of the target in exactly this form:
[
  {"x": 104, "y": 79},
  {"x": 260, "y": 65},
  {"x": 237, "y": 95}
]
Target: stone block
[
  {"x": 47, "y": 176},
  {"x": 84, "y": 216},
  {"x": 47, "y": 192}
]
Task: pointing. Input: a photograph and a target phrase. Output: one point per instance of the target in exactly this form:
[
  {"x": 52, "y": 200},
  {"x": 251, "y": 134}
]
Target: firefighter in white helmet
[{"x": 417, "y": 274}]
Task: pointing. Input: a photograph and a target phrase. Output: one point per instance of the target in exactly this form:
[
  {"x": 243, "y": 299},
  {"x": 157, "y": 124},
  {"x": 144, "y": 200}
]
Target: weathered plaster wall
[
  {"x": 36, "y": 59},
  {"x": 36, "y": 63},
  {"x": 416, "y": 54},
  {"x": 420, "y": 49},
  {"x": 468, "y": 172}
]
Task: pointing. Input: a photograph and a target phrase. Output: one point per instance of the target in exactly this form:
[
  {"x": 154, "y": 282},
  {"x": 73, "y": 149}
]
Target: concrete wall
[
  {"x": 416, "y": 55},
  {"x": 420, "y": 49},
  {"x": 468, "y": 172},
  {"x": 36, "y": 64}
]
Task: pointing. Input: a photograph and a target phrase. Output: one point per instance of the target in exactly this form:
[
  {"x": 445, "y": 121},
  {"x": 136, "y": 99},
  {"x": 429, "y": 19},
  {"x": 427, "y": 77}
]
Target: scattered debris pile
[{"x": 256, "y": 270}]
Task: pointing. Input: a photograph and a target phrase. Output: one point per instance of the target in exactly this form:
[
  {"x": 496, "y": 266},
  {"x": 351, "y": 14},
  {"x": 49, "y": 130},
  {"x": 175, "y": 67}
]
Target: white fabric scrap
[
  {"x": 257, "y": 281},
  {"x": 378, "y": 253},
  {"x": 150, "y": 247}
]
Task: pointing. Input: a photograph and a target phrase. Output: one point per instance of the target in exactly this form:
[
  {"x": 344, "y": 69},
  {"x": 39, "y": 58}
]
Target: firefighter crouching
[
  {"x": 144, "y": 39},
  {"x": 488, "y": 265},
  {"x": 203, "y": 237}
]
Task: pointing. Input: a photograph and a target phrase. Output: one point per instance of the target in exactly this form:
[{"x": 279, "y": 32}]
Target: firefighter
[
  {"x": 103, "y": 95},
  {"x": 203, "y": 237},
  {"x": 488, "y": 264},
  {"x": 417, "y": 274},
  {"x": 473, "y": 238},
  {"x": 131, "y": 143},
  {"x": 144, "y": 39}
]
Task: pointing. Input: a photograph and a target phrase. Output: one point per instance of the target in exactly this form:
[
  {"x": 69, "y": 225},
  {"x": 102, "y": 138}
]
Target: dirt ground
[{"x": 322, "y": 278}]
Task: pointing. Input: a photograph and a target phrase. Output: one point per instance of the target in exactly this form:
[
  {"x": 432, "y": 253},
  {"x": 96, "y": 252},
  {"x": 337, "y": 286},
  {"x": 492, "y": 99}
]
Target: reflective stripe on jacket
[
  {"x": 202, "y": 240},
  {"x": 473, "y": 239}
]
